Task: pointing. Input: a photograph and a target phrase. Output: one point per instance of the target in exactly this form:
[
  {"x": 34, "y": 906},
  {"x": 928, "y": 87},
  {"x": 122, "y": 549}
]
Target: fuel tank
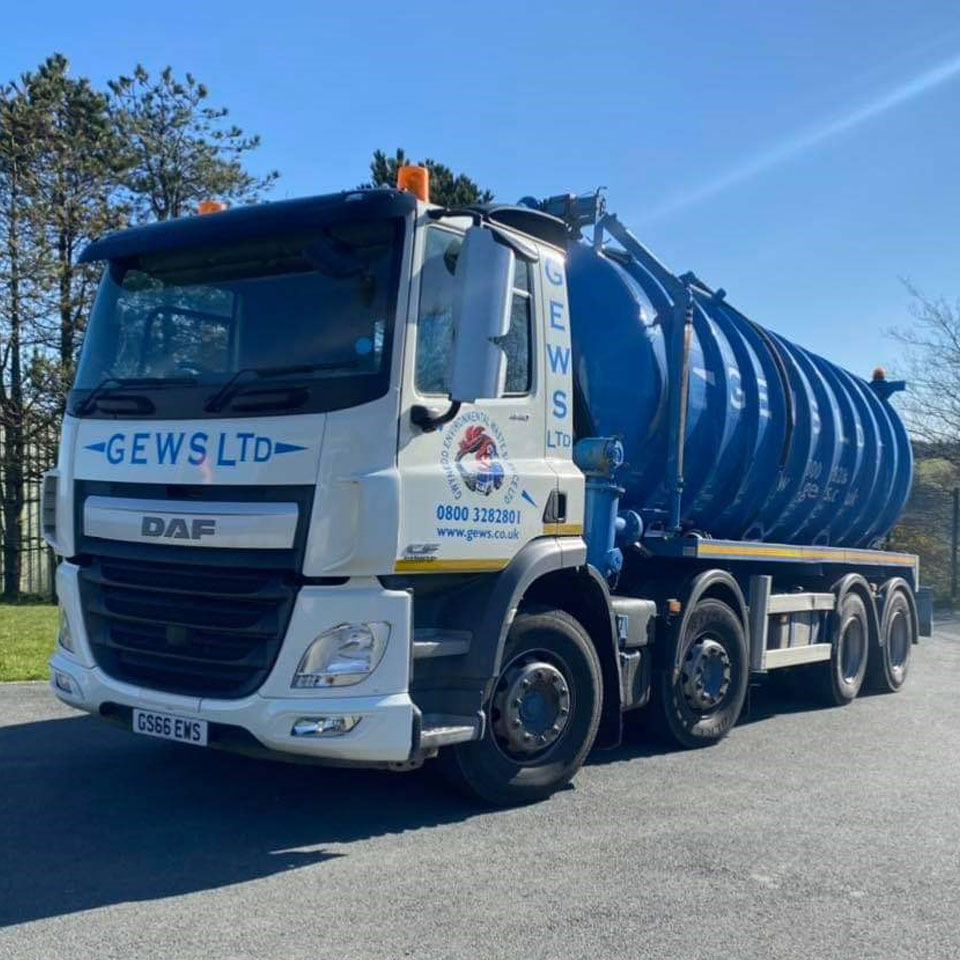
[{"x": 780, "y": 444}]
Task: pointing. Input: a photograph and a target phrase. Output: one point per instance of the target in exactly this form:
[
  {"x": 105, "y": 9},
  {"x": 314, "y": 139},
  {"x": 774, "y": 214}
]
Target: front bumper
[{"x": 387, "y": 732}]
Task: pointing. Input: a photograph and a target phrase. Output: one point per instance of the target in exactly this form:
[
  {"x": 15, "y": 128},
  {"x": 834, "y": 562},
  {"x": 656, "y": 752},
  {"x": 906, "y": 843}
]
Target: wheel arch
[
  {"x": 857, "y": 583},
  {"x": 548, "y": 570},
  {"x": 714, "y": 584},
  {"x": 583, "y": 593}
]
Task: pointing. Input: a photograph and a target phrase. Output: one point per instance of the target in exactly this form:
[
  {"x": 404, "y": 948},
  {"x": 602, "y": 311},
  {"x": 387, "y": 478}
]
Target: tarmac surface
[{"x": 809, "y": 832}]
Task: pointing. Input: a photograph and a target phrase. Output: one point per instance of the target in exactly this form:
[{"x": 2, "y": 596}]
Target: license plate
[{"x": 168, "y": 727}]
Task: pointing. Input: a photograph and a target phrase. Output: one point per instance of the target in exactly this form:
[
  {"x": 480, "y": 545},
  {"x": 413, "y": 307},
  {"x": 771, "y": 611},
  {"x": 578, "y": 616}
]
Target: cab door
[{"x": 474, "y": 489}]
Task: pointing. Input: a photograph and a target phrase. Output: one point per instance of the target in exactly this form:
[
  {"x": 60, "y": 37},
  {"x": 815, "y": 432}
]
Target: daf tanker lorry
[{"x": 366, "y": 480}]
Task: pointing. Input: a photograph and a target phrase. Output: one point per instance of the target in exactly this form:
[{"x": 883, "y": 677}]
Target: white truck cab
[{"x": 261, "y": 466}]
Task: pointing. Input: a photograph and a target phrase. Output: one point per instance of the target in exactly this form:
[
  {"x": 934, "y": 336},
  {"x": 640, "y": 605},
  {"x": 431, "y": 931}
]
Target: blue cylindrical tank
[{"x": 781, "y": 445}]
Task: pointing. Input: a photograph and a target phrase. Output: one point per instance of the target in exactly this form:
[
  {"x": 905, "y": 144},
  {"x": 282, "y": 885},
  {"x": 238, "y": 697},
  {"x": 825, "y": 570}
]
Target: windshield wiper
[
  {"x": 219, "y": 400},
  {"x": 109, "y": 383}
]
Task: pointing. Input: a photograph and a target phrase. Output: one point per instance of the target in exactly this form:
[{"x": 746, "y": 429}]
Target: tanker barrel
[{"x": 732, "y": 431}]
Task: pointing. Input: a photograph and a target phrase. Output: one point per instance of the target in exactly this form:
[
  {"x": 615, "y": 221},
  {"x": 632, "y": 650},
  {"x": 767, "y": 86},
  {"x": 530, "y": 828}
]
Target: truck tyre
[
  {"x": 889, "y": 660},
  {"x": 542, "y": 717},
  {"x": 838, "y": 680},
  {"x": 698, "y": 696}
]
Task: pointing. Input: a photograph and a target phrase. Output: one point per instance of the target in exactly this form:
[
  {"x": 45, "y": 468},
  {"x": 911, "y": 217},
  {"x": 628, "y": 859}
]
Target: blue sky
[{"x": 802, "y": 155}]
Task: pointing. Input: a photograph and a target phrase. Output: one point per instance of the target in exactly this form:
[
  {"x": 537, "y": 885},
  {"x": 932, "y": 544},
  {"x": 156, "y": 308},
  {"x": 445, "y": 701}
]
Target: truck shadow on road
[
  {"x": 92, "y": 816},
  {"x": 766, "y": 700}
]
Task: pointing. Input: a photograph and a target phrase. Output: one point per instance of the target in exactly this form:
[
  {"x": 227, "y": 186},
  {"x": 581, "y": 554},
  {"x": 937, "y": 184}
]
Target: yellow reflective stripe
[
  {"x": 563, "y": 529},
  {"x": 422, "y": 565},
  {"x": 877, "y": 556},
  {"x": 705, "y": 548}
]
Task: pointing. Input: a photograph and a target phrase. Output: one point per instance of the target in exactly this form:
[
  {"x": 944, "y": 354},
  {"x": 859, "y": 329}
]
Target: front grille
[{"x": 198, "y": 630}]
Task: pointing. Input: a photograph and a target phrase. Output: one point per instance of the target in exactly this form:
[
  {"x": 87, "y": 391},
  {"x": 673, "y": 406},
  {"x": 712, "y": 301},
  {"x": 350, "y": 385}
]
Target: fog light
[
  {"x": 65, "y": 637},
  {"x": 323, "y": 726},
  {"x": 63, "y": 681}
]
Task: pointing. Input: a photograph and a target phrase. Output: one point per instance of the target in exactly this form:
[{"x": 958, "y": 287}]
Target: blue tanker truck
[{"x": 360, "y": 479}]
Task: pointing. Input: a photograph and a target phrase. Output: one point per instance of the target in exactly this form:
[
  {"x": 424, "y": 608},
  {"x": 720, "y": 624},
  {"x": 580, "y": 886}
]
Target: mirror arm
[{"x": 428, "y": 421}]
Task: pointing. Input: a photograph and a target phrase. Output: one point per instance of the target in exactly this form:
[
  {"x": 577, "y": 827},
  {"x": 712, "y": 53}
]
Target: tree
[
  {"x": 57, "y": 177},
  {"x": 931, "y": 366},
  {"x": 446, "y": 188},
  {"x": 74, "y": 177},
  {"x": 75, "y": 163},
  {"x": 23, "y": 275},
  {"x": 926, "y": 524},
  {"x": 177, "y": 150}
]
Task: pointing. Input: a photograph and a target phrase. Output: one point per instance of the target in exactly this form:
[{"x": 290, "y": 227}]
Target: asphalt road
[{"x": 807, "y": 833}]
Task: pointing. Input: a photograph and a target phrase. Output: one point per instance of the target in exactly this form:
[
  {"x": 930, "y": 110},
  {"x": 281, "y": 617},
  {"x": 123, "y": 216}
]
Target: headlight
[
  {"x": 65, "y": 638},
  {"x": 344, "y": 655}
]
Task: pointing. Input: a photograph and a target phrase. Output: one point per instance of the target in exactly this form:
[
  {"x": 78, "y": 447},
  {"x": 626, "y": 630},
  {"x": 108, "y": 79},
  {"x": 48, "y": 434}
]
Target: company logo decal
[
  {"x": 478, "y": 463},
  {"x": 474, "y": 458},
  {"x": 420, "y": 551},
  {"x": 174, "y": 447},
  {"x": 178, "y": 528}
]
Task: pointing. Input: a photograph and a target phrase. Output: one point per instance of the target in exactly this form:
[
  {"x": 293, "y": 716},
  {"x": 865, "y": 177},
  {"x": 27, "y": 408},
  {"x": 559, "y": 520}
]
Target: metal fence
[{"x": 37, "y": 561}]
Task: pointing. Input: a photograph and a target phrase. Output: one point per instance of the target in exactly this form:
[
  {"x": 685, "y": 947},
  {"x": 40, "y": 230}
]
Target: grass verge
[{"x": 28, "y": 632}]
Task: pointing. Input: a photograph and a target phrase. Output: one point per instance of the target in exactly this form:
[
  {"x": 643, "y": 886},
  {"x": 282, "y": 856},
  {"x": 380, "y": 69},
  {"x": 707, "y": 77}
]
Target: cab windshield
[{"x": 303, "y": 321}]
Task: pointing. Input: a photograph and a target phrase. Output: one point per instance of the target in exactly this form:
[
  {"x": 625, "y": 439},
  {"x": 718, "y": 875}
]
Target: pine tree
[
  {"x": 447, "y": 188},
  {"x": 24, "y": 272},
  {"x": 75, "y": 163},
  {"x": 75, "y": 173},
  {"x": 177, "y": 150}
]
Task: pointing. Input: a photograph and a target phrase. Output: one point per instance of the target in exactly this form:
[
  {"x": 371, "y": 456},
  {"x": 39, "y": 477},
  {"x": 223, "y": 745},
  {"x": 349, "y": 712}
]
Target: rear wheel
[
  {"x": 889, "y": 660},
  {"x": 839, "y": 680},
  {"x": 542, "y": 717},
  {"x": 698, "y": 697}
]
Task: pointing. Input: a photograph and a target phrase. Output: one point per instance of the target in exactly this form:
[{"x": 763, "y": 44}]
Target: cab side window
[
  {"x": 516, "y": 344},
  {"x": 435, "y": 321}
]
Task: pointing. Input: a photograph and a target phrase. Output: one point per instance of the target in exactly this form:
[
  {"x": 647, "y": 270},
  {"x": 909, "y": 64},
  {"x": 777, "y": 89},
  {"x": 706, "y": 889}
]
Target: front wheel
[
  {"x": 542, "y": 716},
  {"x": 698, "y": 695}
]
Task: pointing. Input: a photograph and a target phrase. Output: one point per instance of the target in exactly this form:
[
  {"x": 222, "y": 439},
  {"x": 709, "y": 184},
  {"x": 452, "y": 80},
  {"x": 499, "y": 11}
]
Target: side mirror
[{"x": 481, "y": 316}]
